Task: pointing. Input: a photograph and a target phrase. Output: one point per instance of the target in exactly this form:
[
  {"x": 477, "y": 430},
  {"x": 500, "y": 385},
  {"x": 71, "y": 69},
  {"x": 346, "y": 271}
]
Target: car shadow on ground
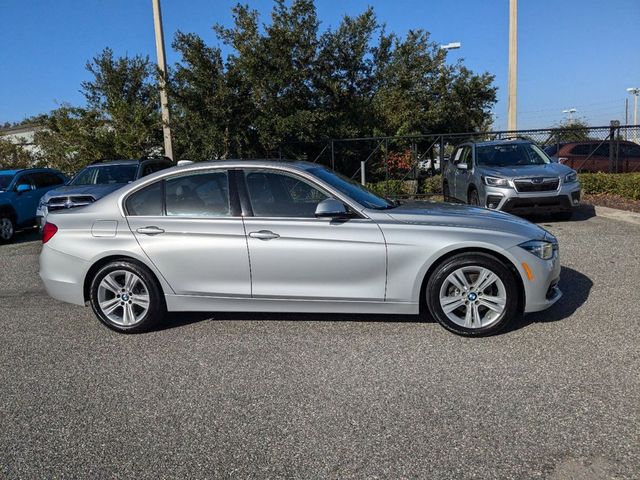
[
  {"x": 580, "y": 214},
  {"x": 26, "y": 236},
  {"x": 575, "y": 287}
]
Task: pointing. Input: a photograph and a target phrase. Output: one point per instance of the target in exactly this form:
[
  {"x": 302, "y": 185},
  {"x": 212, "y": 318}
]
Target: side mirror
[
  {"x": 331, "y": 208},
  {"x": 23, "y": 187},
  {"x": 462, "y": 166}
]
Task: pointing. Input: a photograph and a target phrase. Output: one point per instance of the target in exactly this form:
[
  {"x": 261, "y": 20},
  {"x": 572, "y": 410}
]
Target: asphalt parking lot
[{"x": 317, "y": 396}]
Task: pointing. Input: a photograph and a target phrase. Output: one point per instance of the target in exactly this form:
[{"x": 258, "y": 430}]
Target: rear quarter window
[{"x": 146, "y": 201}]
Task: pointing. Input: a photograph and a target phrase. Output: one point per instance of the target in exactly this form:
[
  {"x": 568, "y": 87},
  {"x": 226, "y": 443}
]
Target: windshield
[
  {"x": 105, "y": 174},
  {"x": 5, "y": 180},
  {"x": 510, "y": 155},
  {"x": 352, "y": 189}
]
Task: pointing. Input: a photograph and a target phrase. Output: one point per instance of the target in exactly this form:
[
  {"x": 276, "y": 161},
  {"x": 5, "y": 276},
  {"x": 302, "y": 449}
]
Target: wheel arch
[
  {"x": 487, "y": 251},
  {"x": 7, "y": 208},
  {"x": 114, "y": 258}
]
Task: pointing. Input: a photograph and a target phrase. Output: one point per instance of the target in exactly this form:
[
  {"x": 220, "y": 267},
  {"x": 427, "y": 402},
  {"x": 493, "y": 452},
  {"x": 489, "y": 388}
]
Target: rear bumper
[{"x": 63, "y": 275}]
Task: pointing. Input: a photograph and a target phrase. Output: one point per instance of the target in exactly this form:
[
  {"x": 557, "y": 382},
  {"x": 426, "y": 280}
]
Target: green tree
[
  {"x": 570, "y": 131},
  {"x": 14, "y": 155},
  {"x": 120, "y": 120}
]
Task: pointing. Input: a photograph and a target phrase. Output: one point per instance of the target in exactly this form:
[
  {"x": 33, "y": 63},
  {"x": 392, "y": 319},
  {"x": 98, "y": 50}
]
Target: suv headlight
[
  {"x": 571, "y": 177},
  {"x": 496, "y": 182},
  {"x": 540, "y": 248}
]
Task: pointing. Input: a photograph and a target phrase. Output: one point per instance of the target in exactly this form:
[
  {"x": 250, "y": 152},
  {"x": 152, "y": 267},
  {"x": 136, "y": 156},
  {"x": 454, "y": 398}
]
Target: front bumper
[
  {"x": 541, "y": 286},
  {"x": 564, "y": 199}
]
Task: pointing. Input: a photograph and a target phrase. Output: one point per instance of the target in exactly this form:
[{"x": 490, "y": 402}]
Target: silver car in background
[
  {"x": 296, "y": 237},
  {"x": 511, "y": 175}
]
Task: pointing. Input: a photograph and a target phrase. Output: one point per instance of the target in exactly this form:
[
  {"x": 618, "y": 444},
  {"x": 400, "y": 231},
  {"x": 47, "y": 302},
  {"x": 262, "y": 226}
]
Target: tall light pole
[
  {"x": 570, "y": 111},
  {"x": 635, "y": 91},
  {"x": 162, "y": 66},
  {"x": 513, "y": 66}
]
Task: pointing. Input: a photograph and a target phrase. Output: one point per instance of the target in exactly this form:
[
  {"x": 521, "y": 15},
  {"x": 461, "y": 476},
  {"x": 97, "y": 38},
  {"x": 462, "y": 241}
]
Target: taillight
[{"x": 48, "y": 232}]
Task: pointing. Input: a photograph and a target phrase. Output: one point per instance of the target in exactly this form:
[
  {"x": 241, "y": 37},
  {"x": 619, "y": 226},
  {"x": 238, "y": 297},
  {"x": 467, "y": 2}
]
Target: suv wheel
[
  {"x": 474, "y": 199},
  {"x": 473, "y": 294},
  {"x": 126, "y": 297},
  {"x": 7, "y": 228}
]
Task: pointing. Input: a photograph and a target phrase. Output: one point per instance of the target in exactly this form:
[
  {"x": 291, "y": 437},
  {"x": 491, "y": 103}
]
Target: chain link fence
[{"x": 405, "y": 165}]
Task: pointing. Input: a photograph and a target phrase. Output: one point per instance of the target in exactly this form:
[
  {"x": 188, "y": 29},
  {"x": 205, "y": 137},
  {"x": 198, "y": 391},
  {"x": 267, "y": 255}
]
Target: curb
[{"x": 614, "y": 213}]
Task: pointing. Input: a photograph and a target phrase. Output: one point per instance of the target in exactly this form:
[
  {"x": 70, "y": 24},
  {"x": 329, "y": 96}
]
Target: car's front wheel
[
  {"x": 473, "y": 294},
  {"x": 126, "y": 297},
  {"x": 7, "y": 228}
]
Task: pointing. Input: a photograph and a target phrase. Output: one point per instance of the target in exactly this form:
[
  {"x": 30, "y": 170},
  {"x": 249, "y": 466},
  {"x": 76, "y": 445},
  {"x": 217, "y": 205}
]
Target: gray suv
[
  {"x": 510, "y": 175},
  {"x": 96, "y": 181}
]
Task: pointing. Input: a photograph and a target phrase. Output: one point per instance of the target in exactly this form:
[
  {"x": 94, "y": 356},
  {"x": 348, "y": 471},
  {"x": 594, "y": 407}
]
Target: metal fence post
[
  {"x": 333, "y": 158},
  {"x": 386, "y": 167},
  {"x": 363, "y": 176},
  {"x": 612, "y": 141}
]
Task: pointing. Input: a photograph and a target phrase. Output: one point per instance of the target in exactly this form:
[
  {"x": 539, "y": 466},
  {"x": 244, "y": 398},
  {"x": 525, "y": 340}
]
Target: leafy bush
[
  {"x": 626, "y": 185},
  {"x": 391, "y": 188},
  {"x": 432, "y": 185}
]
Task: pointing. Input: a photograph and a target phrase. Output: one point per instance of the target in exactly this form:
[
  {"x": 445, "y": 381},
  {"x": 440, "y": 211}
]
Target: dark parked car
[
  {"x": 20, "y": 192},
  {"x": 97, "y": 180},
  {"x": 593, "y": 155}
]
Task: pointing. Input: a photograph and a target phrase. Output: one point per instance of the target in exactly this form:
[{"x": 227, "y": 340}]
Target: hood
[
  {"x": 96, "y": 191},
  {"x": 546, "y": 170},
  {"x": 465, "y": 216}
]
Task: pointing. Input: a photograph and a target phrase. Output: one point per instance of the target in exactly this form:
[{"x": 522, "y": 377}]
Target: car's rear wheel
[
  {"x": 7, "y": 228},
  {"x": 126, "y": 297},
  {"x": 445, "y": 192},
  {"x": 473, "y": 294}
]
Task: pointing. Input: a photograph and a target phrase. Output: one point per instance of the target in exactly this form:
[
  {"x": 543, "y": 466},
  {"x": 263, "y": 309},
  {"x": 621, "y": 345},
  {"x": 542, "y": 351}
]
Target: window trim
[
  {"x": 234, "y": 206},
  {"x": 247, "y": 206}
]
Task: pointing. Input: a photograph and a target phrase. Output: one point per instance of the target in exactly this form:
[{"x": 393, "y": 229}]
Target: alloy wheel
[
  {"x": 473, "y": 297},
  {"x": 123, "y": 297}
]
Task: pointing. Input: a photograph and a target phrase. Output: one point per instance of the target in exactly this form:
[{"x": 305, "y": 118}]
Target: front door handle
[
  {"x": 152, "y": 230},
  {"x": 264, "y": 235}
]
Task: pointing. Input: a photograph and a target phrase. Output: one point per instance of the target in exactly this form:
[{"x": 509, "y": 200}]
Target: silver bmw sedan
[{"x": 292, "y": 237}]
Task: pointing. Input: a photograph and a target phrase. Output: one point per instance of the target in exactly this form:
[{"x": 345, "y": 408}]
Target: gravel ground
[{"x": 329, "y": 396}]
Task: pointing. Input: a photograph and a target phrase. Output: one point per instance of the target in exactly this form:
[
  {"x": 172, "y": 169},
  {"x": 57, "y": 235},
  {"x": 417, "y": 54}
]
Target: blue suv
[{"x": 20, "y": 193}]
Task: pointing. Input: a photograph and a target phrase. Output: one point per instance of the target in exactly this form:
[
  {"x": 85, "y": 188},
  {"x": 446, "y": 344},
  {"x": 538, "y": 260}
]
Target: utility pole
[
  {"x": 635, "y": 91},
  {"x": 513, "y": 65},
  {"x": 162, "y": 66}
]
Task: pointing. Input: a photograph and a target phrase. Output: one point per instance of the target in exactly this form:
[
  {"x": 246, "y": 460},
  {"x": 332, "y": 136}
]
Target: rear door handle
[
  {"x": 150, "y": 230},
  {"x": 264, "y": 235}
]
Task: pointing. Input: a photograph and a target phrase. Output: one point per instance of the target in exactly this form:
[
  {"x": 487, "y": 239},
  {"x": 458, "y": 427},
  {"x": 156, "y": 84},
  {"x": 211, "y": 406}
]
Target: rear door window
[{"x": 198, "y": 195}]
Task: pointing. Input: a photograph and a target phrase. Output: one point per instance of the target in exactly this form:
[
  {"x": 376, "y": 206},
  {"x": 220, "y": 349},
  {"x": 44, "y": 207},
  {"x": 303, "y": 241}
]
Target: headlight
[
  {"x": 496, "y": 182},
  {"x": 540, "y": 248},
  {"x": 571, "y": 177}
]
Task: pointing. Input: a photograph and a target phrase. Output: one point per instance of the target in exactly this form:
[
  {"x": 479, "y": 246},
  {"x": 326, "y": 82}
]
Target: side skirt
[{"x": 193, "y": 303}]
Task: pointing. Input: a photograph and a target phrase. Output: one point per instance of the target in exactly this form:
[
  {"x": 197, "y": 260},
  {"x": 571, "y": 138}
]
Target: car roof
[
  {"x": 239, "y": 163},
  {"x": 128, "y": 161},
  {"x": 502, "y": 142},
  {"x": 19, "y": 170}
]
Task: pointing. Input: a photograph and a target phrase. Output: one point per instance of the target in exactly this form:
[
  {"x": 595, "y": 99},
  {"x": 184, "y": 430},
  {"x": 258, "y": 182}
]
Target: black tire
[
  {"x": 157, "y": 308},
  {"x": 562, "y": 216},
  {"x": 7, "y": 227},
  {"x": 474, "y": 198},
  {"x": 445, "y": 192},
  {"x": 511, "y": 310}
]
